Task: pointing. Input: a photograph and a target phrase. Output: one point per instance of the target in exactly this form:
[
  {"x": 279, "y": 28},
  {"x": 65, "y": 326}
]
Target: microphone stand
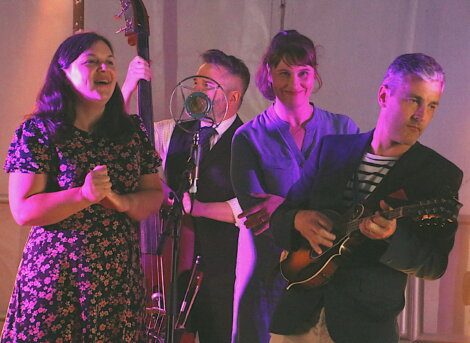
[
  {"x": 173, "y": 225},
  {"x": 196, "y": 161}
]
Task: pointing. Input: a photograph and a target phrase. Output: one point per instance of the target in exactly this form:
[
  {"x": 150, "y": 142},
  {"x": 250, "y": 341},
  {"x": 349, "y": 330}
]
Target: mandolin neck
[{"x": 389, "y": 214}]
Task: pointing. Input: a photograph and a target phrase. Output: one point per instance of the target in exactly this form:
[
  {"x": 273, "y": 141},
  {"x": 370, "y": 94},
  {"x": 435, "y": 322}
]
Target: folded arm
[
  {"x": 247, "y": 181},
  {"x": 30, "y": 205},
  {"x": 221, "y": 211},
  {"x": 140, "y": 204}
]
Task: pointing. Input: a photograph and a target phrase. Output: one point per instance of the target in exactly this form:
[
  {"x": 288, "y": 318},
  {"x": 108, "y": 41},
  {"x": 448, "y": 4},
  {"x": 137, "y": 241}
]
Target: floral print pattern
[{"x": 80, "y": 280}]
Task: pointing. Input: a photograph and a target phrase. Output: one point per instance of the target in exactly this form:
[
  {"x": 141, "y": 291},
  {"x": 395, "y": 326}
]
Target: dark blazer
[{"x": 364, "y": 297}]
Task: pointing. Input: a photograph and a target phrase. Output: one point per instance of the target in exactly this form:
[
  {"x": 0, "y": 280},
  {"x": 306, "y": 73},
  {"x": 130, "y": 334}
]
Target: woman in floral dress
[{"x": 82, "y": 173}]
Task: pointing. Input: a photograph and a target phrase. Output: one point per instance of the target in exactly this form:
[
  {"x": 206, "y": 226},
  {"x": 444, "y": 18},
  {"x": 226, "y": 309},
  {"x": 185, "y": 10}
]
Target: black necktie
[{"x": 205, "y": 134}]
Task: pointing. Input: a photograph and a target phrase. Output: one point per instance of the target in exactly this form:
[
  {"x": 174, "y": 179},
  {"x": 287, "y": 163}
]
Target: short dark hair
[
  {"x": 291, "y": 47},
  {"x": 418, "y": 64},
  {"x": 57, "y": 99},
  {"x": 233, "y": 64}
]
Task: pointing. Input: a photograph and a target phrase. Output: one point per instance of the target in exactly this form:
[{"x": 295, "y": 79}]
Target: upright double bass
[{"x": 160, "y": 325}]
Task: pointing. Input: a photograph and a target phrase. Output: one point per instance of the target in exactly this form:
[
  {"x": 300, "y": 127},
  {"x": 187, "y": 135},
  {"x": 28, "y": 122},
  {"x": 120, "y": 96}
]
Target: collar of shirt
[
  {"x": 223, "y": 126},
  {"x": 272, "y": 115},
  {"x": 283, "y": 127}
]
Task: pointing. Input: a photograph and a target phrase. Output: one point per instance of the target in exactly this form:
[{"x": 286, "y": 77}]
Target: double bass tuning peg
[
  {"x": 119, "y": 14},
  {"x": 124, "y": 7},
  {"x": 122, "y": 29}
]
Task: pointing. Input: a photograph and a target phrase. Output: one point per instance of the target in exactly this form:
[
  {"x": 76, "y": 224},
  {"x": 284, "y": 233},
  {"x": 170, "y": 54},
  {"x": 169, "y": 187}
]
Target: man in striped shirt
[{"x": 388, "y": 165}]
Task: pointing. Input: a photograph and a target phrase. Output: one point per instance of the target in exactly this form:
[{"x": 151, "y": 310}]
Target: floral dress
[{"x": 80, "y": 280}]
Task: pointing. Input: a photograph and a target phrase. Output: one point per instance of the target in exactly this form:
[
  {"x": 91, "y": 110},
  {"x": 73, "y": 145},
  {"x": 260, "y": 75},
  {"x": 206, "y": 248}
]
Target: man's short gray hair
[{"x": 418, "y": 64}]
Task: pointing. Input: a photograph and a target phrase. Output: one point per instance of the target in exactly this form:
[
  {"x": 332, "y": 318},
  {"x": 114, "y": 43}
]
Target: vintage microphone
[
  {"x": 198, "y": 97},
  {"x": 202, "y": 99},
  {"x": 198, "y": 106},
  {"x": 198, "y": 94}
]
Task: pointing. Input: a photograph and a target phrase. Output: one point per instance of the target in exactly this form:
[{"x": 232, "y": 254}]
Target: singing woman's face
[
  {"x": 93, "y": 74},
  {"x": 292, "y": 84}
]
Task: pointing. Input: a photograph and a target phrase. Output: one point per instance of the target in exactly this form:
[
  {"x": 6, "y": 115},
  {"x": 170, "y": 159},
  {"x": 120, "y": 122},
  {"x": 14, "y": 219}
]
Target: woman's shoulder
[
  {"x": 138, "y": 123},
  {"x": 136, "y": 119},
  {"x": 29, "y": 149},
  {"x": 257, "y": 124},
  {"x": 341, "y": 122},
  {"x": 33, "y": 126},
  {"x": 331, "y": 115}
]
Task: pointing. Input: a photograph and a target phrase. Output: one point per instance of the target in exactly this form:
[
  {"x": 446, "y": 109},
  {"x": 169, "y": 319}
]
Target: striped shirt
[{"x": 370, "y": 173}]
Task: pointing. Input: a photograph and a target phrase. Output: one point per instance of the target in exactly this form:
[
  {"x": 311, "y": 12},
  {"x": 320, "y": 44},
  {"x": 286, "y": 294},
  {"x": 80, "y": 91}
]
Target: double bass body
[{"x": 158, "y": 267}]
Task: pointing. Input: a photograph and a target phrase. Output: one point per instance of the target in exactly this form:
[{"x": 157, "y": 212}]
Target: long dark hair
[
  {"x": 291, "y": 47},
  {"x": 56, "y": 101}
]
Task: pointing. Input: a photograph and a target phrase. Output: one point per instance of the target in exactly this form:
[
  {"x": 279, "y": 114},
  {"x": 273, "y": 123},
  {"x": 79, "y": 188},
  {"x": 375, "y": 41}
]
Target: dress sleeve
[
  {"x": 351, "y": 127},
  {"x": 29, "y": 151},
  {"x": 245, "y": 171},
  {"x": 282, "y": 220},
  {"x": 344, "y": 125},
  {"x": 150, "y": 159}
]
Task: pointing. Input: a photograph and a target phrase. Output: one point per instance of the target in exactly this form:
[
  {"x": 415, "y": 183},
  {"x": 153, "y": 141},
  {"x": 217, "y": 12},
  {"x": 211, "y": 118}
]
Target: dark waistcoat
[{"x": 216, "y": 241}]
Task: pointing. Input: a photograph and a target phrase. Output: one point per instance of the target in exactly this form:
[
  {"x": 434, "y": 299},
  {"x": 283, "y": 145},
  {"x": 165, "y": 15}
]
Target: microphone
[
  {"x": 197, "y": 98},
  {"x": 200, "y": 98},
  {"x": 197, "y": 105}
]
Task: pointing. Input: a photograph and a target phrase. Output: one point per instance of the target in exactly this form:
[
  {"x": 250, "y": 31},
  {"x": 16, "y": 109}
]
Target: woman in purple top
[
  {"x": 268, "y": 154},
  {"x": 82, "y": 173}
]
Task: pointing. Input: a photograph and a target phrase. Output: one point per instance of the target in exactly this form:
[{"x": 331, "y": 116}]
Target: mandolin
[{"x": 306, "y": 269}]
